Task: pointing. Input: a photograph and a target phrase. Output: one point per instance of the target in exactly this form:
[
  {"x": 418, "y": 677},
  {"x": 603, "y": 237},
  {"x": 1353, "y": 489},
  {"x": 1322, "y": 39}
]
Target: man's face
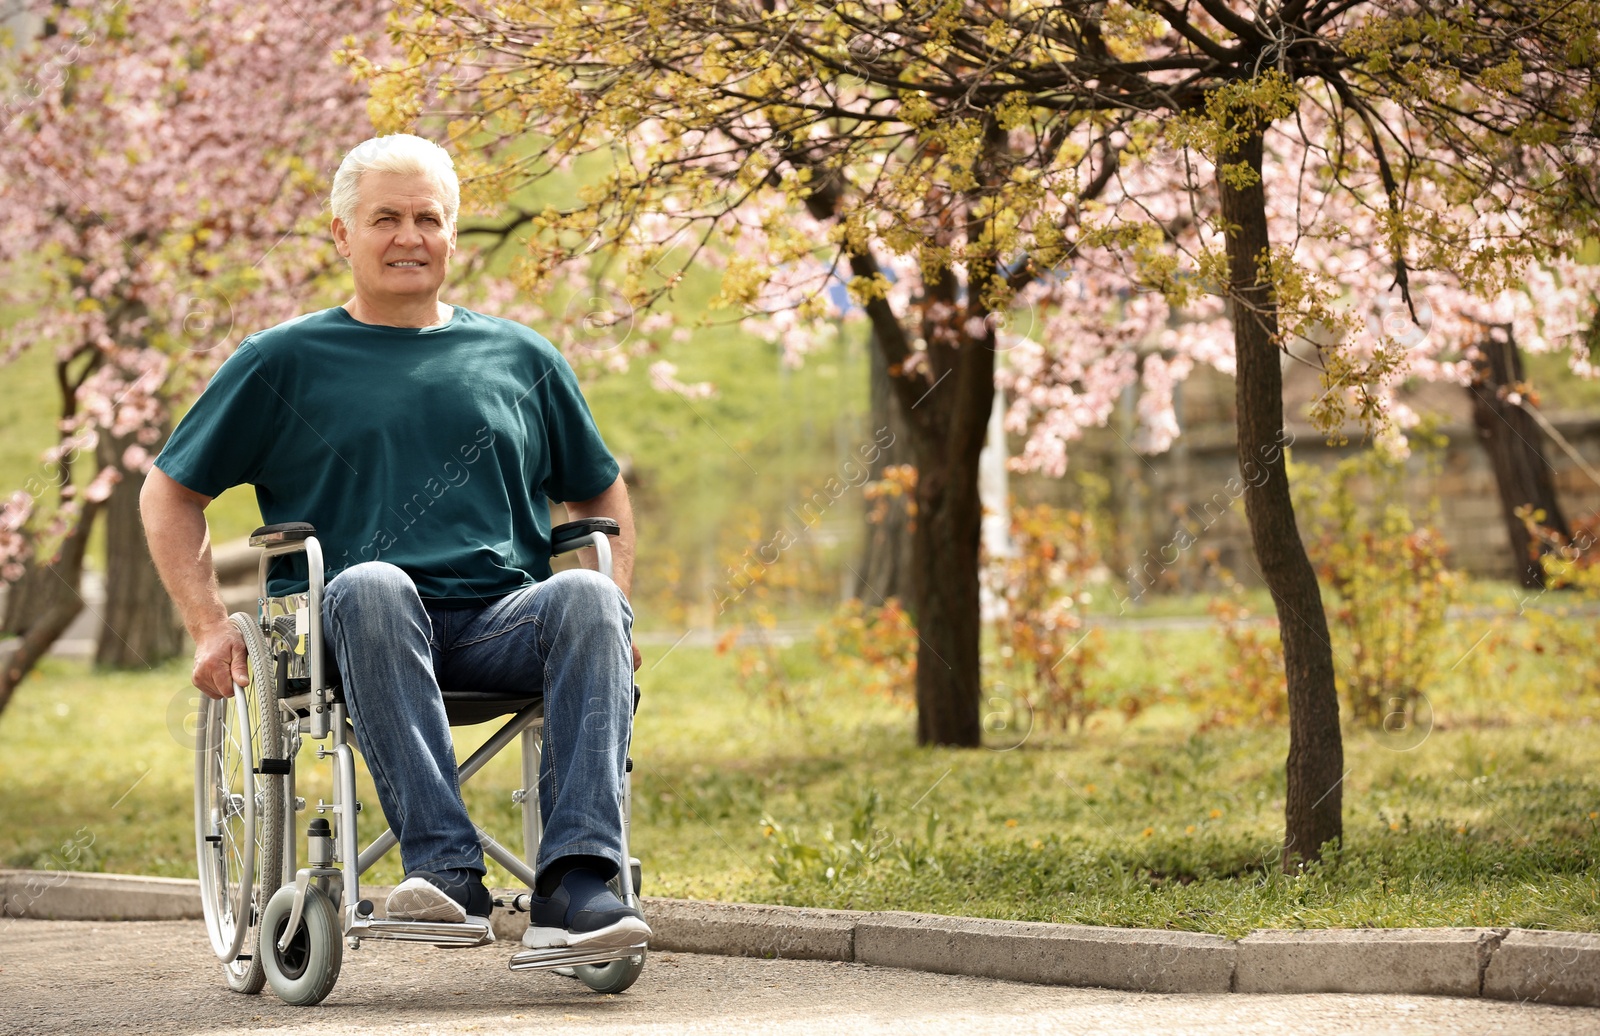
[{"x": 400, "y": 245}]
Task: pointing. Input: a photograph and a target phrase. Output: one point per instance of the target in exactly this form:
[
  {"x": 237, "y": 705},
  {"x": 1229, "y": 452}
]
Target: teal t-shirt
[{"x": 435, "y": 449}]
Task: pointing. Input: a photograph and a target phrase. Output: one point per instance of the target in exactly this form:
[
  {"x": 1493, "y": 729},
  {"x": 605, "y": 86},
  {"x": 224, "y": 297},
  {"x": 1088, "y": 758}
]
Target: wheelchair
[{"x": 275, "y": 922}]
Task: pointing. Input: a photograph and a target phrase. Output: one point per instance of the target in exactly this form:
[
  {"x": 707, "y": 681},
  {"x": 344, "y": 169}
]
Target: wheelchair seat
[
  {"x": 465, "y": 708},
  {"x": 461, "y": 708}
]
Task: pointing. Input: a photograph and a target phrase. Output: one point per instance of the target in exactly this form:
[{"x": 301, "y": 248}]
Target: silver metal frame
[{"x": 327, "y": 718}]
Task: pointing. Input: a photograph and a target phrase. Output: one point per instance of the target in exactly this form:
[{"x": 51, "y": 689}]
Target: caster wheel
[
  {"x": 613, "y": 977},
  {"x": 617, "y": 975},
  {"x": 304, "y": 973}
]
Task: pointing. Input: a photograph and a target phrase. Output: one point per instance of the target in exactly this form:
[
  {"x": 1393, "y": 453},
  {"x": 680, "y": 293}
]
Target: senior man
[{"x": 422, "y": 440}]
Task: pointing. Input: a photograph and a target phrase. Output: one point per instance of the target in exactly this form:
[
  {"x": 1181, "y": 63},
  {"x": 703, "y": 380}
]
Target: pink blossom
[
  {"x": 100, "y": 487},
  {"x": 663, "y": 375}
]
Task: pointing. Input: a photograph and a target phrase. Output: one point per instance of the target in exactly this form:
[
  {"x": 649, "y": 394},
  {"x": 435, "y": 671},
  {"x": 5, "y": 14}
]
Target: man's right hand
[
  {"x": 220, "y": 660},
  {"x": 180, "y": 544}
]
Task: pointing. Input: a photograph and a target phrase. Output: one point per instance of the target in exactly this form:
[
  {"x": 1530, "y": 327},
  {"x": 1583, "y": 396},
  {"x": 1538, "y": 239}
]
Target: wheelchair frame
[{"x": 258, "y": 887}]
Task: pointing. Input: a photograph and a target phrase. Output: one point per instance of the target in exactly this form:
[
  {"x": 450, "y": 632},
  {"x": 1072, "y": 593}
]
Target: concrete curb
[
  {"x": 1498, "y": 963},
  {"x": 76, "y": 896},
  {"x": 1423, "y": 961},
  {"x": 1549, "y": 967},
  {"x": 738, "y": 930},
  {"x": 1053, "y": 954}
]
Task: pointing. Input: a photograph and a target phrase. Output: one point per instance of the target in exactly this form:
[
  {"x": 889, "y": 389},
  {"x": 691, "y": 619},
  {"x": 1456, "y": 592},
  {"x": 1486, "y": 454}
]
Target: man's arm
[
  {"x": 180, "y": 544},
  {"x": 611, "y": 503}
]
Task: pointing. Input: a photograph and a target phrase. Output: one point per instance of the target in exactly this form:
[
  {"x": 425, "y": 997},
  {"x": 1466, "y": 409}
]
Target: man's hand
[
  {"x": 220, "y": 660},
  {"x": 180, "y": 544},
  {"x": 638, "y": 659}
]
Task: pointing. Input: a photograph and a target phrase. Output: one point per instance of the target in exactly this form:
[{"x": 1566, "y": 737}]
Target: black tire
[
  {"x": 227, "y": 765},
  {"x": 617, "y": 975},
  {"x": 613, "y": 977},
  {"x": 304, "y": 973}
]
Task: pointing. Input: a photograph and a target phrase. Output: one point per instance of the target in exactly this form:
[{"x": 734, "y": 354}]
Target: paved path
[{"x": 159, "y": 977}]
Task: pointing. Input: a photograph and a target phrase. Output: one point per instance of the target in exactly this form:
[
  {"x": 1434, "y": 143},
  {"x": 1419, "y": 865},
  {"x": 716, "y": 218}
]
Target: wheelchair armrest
[
  {"x": 572, "y": 535},
  {"x": 283, "y": 532}
]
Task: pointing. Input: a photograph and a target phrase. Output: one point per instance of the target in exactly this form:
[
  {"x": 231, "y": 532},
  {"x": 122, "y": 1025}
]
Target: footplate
[
  {"x": 572, "y": 956},
  {"x": 440, "y": 933}
]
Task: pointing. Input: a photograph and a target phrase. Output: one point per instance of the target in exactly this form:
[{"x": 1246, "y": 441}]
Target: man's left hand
[{"x": 638, "y": 659}]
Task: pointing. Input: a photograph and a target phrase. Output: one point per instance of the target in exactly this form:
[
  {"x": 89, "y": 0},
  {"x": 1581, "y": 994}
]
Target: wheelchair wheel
[
  {"x": 613, "y": 977},
  {"x": 239, "y": 813},
  {"x": 304, "y": 973},
  {"x": 617, "y": 975}
]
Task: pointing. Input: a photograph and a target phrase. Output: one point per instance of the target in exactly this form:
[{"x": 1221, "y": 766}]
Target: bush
[
  {"x": 1389, "y": 581},
  {"x": 1040, "y": 617},
  {"x": 772, "y": 569},
  {"x": 874, "y": 649}
]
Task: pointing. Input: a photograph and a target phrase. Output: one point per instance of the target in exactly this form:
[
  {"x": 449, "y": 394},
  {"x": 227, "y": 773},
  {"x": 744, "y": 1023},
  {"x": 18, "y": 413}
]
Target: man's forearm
[
  {"x": 612, "y": 503},
  {"x": 180, "y": 545}
]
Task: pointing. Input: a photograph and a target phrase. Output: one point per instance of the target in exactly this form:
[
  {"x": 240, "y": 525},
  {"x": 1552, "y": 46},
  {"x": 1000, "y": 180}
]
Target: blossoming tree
[{"x": 1245, "y": 180}]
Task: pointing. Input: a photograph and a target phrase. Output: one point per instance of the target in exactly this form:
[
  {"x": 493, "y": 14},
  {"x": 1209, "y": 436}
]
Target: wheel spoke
[{"x": 236, "y": 734}]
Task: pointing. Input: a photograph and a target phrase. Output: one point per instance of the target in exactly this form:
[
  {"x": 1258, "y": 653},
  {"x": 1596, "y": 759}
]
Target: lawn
[{"x": 1489, "y": 817}]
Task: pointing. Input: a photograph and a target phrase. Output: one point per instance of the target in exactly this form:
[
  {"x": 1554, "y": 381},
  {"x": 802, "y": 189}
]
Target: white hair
[{"x": 396, "y": 153}]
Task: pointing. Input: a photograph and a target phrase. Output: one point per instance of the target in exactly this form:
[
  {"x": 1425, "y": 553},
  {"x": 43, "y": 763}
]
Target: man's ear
[{"x": 341, "y": 237}]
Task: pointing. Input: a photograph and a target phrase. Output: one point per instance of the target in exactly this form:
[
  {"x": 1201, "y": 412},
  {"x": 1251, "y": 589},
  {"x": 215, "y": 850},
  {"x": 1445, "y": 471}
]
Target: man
[{"x": 422, "y": 441}]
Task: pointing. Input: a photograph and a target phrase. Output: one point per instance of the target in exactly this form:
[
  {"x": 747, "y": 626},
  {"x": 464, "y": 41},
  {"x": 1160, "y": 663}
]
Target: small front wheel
[
  {"x": 303, "y": 973},
  {"x": 613, "y": 977}
]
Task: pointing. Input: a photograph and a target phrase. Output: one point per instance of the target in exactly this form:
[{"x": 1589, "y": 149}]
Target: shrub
[
  {"x": 874, "y": 649},
  {"x": 1040, "y": 593},
  {"x": 1388, "y": 577},
  {"x": 785, "y": 567}
]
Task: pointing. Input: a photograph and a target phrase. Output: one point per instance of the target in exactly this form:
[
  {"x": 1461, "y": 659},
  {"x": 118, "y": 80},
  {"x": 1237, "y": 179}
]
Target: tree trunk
[
  {"x": 1313, "y": 813},
  {"x": 945, "y": 603},
  {"x": 885, "y": 569},
  {"x": 1515, "y": 445},
  {"x": 49, "y": 617},
  {"x": 945, "y": 401},
  {"x": 39, "y": 590},
  {"x": 139, "y": 626},
  {"x": 947, "y": 436}
]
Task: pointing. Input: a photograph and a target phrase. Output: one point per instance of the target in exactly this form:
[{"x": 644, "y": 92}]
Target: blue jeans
[{"x": 567, "y": 638}]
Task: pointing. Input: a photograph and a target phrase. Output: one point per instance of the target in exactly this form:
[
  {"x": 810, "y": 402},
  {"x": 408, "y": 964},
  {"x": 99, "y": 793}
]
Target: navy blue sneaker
[
  {"x": 425, "y": 896},
  {"x": 584, "y": 912}
]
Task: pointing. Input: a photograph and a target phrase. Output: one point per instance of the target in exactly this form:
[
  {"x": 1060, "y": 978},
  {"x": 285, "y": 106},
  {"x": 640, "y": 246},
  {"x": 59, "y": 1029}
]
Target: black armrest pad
[
  {"x": 283, "y": 532},
  {"x": 570, "y": 535},
  {"x": 584, "y": 526}
]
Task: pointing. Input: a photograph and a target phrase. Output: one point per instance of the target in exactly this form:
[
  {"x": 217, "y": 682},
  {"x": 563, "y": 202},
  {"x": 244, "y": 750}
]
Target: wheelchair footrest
[
  {"x": 572, "y": 956},
  {"x": 441, "y": 933}
]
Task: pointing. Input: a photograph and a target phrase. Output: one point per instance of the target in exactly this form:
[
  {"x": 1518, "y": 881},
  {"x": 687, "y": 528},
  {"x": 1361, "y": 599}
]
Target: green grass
[
  {"x": 1490, "y": 820},
  {"x": 1559, "y": 390}
]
